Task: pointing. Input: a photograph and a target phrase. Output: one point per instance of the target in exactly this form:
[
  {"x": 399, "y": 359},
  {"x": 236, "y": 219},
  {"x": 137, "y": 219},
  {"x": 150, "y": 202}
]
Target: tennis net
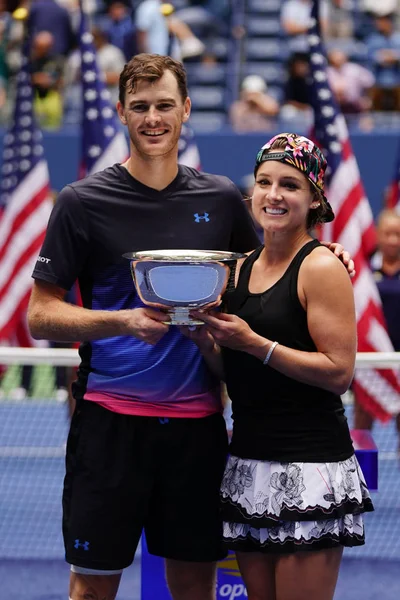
[{"x": 33, "y": 434}]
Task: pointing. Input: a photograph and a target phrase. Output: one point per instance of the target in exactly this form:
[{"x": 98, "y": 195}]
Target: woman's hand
[
  {"x": 342, "y": 255},
  {"x": 230, "y": 331}
]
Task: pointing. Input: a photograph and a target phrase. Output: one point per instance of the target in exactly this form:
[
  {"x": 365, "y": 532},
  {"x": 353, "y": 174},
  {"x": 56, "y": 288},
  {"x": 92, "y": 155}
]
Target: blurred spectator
[
  {"x": 189, "y": 45},
  {"x": 25, "y": 389},
  {"x": 254, "y": 109},
  {"x": 118, "y": 25},
  {"x": 90, "y": 8},
  {"x": 297, "y": 104},
  {"x": 15, "y": 31},
  {"x": 152, "y": 30},
  {"x": 295, "y": 19},
  {"x": 22, "y": 390},
  {"x": 207, "y": 19},
  {"x": 340, "y": 21},
  {"x": 48, "y": 15},
  {"x": 47, "y": 68},
  {"x": 368, "y": 10},
  {"x": 110, "y": 61},
  {"x": 384, "y": 55},
  {"x": 380, "y": 7},
  {"x": 349, "y": 82},
  {"x": 386, "y": 267},
  {"x": 3, "y": 67},
  {"x": 160, "y": 31}
]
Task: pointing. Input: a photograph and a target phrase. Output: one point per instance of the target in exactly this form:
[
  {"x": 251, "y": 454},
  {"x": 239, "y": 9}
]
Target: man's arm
[{"x": 50, "y": 317}]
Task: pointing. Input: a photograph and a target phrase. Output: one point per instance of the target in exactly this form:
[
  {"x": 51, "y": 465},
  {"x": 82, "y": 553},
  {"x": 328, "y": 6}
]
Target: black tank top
[{"x": 275, "y": 416}]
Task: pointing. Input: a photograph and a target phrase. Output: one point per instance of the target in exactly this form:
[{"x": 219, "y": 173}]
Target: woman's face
[
  {"x": 281, "y": 198},
  {"x": 389, "y": 236}
]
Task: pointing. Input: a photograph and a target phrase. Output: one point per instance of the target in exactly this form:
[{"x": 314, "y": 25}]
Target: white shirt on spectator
[
  {"x": 148, "y": 18},
  {"x": 299, "y": 12}
]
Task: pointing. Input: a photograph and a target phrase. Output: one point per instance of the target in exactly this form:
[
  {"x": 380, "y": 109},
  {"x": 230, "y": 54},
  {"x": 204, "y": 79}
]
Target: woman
[{"x": 292, "y": 493}]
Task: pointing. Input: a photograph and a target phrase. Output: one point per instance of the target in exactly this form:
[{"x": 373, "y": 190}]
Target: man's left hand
[{"x": 343, "y": 255}]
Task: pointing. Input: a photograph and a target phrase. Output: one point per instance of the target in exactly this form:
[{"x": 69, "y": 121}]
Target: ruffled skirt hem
[{"x": 287, "y": 507}]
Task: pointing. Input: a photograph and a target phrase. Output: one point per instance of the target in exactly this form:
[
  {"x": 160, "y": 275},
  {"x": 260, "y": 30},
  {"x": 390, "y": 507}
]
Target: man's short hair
[{"x": 150, "y": 67}]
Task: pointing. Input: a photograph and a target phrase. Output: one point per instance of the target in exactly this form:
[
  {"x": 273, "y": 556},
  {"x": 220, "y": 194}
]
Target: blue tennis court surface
[{"x": 32, "y": 447}]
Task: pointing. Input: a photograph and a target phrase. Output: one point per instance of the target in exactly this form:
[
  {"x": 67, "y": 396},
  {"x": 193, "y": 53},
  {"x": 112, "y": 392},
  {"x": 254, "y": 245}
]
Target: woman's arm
[{"x": 326, "y": 294}]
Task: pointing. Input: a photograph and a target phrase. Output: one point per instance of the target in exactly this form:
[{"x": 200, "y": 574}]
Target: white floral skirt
[{"x": 284, "y": 507}]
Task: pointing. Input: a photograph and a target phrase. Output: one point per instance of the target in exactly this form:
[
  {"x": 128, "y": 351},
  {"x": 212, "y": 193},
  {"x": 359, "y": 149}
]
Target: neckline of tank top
[{"x": 253, "y": 256}]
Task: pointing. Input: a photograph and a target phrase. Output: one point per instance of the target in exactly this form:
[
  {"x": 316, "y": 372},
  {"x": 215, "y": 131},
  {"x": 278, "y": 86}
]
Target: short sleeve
[{"x": 65, "y": 248}]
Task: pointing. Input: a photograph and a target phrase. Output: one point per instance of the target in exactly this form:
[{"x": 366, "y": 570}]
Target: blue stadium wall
[{"x": 233, "y": 155}]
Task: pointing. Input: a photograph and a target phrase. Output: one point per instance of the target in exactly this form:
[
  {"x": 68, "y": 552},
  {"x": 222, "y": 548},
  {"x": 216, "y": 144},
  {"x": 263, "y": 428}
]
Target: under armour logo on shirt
[{"x": 199, "y": 218}]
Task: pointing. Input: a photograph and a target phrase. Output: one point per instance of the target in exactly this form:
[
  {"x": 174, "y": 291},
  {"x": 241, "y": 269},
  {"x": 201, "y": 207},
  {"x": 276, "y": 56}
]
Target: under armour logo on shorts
[{"x": 83, "y": 545}]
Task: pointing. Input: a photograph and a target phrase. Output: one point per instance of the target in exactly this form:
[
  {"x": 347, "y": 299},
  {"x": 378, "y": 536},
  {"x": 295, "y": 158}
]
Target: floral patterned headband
[{"x": 302, "y": 154}]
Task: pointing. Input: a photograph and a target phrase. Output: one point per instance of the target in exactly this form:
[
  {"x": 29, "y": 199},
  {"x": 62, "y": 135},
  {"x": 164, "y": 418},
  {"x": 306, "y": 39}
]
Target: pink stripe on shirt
[{"x": 199, "y": 407}]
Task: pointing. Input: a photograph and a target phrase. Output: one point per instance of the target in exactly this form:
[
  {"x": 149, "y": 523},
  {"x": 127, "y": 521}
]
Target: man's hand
[
  {"x": 146, "y": 324},
  {"x": 343, "y": 255}
]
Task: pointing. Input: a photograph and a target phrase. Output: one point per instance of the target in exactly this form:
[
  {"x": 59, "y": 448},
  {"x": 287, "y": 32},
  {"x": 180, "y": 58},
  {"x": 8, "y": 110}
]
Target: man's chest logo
[{"x": 198, "y": 218}]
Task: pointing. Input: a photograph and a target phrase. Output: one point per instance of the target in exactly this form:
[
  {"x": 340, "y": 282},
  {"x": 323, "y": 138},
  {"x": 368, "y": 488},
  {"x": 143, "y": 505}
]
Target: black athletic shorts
[{"x": 127, "y": 473}]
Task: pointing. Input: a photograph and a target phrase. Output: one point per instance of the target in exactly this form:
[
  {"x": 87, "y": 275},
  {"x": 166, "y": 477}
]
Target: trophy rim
[{"x": 183, "y": 255}]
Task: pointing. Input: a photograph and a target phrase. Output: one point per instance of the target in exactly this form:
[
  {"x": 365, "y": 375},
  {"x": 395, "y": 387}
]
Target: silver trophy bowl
[{"x": 179, "y": 281}]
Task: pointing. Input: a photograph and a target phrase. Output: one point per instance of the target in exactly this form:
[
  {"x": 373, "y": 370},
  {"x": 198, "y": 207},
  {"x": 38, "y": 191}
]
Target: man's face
[{"x": 154, "y": 114}]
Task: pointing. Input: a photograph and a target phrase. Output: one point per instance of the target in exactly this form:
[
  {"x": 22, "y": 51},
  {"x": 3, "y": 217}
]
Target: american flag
[
  {"x": 103, "y": 141},
  {"x": 188, "y": 152},
  {"x": 26, "y": 203},
  {"x": 392, "y": 199},
  {"x": 376, "y": 390}
]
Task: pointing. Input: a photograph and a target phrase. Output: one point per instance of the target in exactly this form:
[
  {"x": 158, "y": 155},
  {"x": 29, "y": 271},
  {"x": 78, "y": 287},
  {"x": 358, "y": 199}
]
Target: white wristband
[{"x": 269, "y": 353}]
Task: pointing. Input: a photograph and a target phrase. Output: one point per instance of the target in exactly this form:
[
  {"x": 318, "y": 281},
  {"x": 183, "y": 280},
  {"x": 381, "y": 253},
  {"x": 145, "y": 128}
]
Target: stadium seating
[
  {"x": 210, "y": 97},
  {"x": 208, "y": 121}
]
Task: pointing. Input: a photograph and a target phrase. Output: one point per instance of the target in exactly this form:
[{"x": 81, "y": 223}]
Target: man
[
  {"x": 47, "y": 68},
  {"x": 384, "y": 60},
  {"x": 49, "y": 15},
  {"x": 147, "y": 443},
  {"x": 137, "y": 373}
]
